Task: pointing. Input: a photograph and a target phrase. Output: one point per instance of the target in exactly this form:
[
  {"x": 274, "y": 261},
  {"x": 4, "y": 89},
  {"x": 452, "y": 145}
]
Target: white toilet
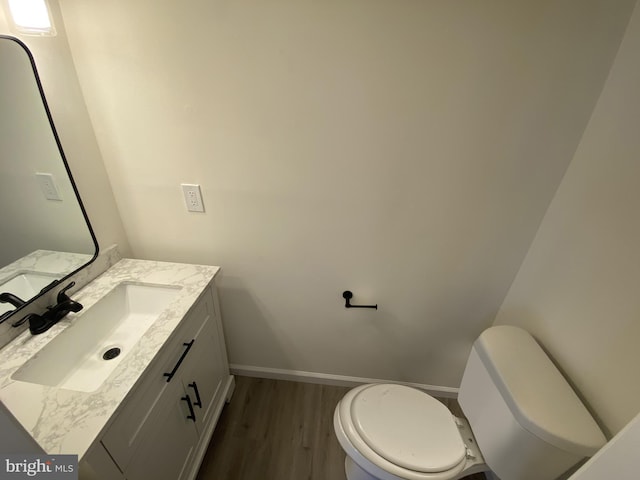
[{"x": 525, "y": 421}]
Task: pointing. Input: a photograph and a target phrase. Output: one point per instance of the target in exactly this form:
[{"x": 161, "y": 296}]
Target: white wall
[
  {"x": 577, "y": 290},
  {"x": 60, "y": 83},
  {"x": 406, "y": 150}
]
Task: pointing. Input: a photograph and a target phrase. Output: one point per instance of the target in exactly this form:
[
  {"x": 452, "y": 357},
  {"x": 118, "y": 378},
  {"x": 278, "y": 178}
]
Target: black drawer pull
[
  {"x": 197, "y": 403},
  {"x": 192, "y": 414},
  {"x": 184, "y": 354}
]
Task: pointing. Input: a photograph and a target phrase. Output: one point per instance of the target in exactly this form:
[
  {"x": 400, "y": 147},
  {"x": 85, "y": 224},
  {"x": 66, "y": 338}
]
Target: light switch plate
[
  {"x": 48, "y": 186},
  {"x": 192, "y": 197}
]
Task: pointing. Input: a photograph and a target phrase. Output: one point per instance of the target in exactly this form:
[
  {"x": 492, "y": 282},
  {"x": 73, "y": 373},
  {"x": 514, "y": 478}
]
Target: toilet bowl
[{"x": 395, "y": 432}]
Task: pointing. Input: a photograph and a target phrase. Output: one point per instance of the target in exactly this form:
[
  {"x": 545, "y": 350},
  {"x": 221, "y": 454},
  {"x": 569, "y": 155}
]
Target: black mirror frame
[{"x": 67, "y": 169}]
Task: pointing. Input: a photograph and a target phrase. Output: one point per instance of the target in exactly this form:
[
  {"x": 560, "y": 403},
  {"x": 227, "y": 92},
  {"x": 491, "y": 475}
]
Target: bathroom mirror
[{"x": 44, "y": 230}]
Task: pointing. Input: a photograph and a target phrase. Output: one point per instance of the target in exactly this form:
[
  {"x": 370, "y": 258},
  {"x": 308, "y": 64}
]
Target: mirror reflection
[{"x": 45, "y": 234}]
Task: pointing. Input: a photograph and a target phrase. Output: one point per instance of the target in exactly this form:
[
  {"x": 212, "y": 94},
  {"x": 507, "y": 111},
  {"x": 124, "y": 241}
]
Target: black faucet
[
  {"x": 7, "y": 297},
  {"x": 42, "y": 323}
]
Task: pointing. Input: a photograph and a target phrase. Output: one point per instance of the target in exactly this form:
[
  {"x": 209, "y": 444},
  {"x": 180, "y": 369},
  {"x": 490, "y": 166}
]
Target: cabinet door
[
  {"x": 170, "y": 447},
  {"x": 138, "y": 418},
  {"x": 204, "y": 379},
  {"x": 204, "y": 383}
]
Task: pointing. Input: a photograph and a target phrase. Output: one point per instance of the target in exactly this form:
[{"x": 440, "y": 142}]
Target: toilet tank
[{"x": 527, "y": 420}]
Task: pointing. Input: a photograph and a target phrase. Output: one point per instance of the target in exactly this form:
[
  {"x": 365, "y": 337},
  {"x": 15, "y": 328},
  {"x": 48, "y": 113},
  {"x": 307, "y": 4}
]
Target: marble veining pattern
[
  {"x": 45, "y": 261},
  {"x": 106, "y": 259},
  {"x": 65, "y": 421}
]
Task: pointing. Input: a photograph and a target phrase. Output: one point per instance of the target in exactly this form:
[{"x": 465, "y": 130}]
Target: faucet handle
[
  {"x": 62, "y": 294},
  {"x": 37, "y": 323},
  {"x": 28, "y": 317}
]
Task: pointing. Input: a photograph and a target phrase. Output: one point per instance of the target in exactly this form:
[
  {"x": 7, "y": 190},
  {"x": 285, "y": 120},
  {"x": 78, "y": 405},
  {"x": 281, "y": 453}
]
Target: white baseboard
[{"x": 330, "y": 379}]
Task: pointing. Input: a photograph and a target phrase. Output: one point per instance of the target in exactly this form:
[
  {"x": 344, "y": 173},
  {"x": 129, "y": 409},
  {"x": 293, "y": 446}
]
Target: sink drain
[{"x": 111, "y": 353}]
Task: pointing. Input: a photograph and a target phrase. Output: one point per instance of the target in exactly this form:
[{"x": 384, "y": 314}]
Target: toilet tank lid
[{"x": 536, "y": 392}]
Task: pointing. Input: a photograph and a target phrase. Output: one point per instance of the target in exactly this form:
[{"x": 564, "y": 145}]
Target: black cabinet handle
[
  {"x": 192, "y": 414},
  {"x": 197, "y": 403},
  {"x": 184, "y": 354}
]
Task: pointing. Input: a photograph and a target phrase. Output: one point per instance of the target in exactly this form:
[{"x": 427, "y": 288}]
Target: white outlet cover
[{"x": 192, "y": 197}]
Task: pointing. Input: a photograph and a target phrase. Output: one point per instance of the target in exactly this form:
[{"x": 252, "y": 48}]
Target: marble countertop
[
  {"x": 68, "y": 422},
  {"x": 47, "y": 261}
]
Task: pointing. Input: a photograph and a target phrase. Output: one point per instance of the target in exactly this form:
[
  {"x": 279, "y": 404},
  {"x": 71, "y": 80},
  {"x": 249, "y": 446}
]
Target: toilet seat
[
  {"x": 407, "y": 427},
  {"x": 398, "y": 432}
]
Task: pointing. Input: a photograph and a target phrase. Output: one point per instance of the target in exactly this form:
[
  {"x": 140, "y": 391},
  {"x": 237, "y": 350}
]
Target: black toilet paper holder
[{"x": 347, "y": 295}]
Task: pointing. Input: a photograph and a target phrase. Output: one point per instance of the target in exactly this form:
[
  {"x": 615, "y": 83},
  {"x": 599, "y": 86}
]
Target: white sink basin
[
  {"x": 25, "y": 285},
  {"x": 75, "y": 358}
]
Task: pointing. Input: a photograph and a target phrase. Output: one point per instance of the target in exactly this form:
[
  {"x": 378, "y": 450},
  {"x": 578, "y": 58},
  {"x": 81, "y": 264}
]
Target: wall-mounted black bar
[{"x": 347, "y": 295}]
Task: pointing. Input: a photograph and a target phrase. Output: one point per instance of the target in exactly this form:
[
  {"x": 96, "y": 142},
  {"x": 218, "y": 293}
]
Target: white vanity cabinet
[{"x": 163, "y": 427}]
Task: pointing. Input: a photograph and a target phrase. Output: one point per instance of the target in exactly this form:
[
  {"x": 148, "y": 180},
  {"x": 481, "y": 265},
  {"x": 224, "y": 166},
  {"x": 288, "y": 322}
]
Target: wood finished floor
[{"x": 279, "y": 430}]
